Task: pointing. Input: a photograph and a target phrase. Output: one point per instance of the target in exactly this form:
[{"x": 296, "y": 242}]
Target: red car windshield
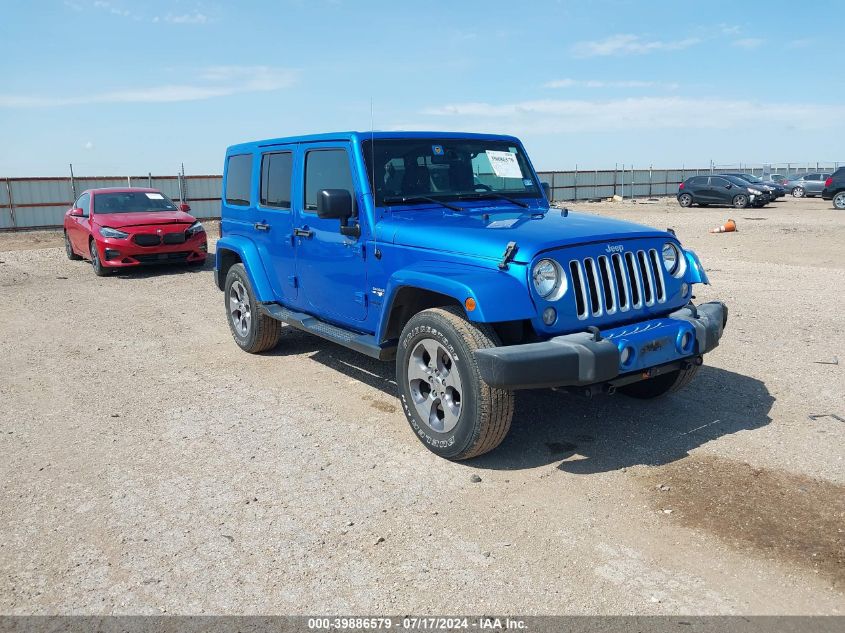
[{"x": 132, "y": 202}]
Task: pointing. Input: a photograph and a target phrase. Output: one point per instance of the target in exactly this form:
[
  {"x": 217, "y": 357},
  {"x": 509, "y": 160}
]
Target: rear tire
[
  {"x": 253, "y": 331},
  {"x": 660, "y": 385},
  {"x": 452, "y": 411},
  {"x": 71, "y": 255},
  {"x": 839, "y": 201},
  {"x": 740, "y": 201},
  {"x": 798, "y": 192},
  {"x": 685, "y": 200}
]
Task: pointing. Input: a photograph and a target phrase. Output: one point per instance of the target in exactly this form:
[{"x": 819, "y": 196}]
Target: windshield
[
  {"x": 409, "y": 170},
  {"x": 752, "y": 178},
  {"x": 132, "y": 202},
  {"x": 737, "y": 180}
]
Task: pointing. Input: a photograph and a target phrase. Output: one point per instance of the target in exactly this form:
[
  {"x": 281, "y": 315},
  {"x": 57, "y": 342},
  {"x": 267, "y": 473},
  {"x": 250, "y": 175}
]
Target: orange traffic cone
[{"x": 727, "y": 227}]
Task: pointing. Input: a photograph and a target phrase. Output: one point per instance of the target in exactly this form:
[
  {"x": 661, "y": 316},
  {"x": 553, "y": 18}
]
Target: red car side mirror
[
  {"x": 77, "y": 212},
  {"x": 185, "y": 207}
]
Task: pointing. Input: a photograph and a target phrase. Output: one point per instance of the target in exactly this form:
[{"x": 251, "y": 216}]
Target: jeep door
[
  {"x": 329, "y": 266},
  {"x": 274, "y": 220}
]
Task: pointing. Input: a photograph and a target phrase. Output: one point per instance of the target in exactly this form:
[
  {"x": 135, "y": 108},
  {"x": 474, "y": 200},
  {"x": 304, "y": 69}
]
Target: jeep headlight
[
  {"x": 106, "y": 231},
  {"x": 549, "y": 281},
  {"x": 672, "y": 259}
]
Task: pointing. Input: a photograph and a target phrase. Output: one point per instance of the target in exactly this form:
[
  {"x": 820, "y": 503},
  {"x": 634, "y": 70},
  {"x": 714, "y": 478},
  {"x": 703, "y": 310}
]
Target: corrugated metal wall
[{"x": 42, "y": 202}]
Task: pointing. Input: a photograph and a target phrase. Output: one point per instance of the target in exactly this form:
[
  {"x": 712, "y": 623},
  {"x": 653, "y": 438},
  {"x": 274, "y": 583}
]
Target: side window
[
  {"x": 718, "y": 182},
  {"x": 84, "y": 203},
  {"x": 811, "y": 177},
  {"x": 276, "y": 172},
  {"x": 326, "y": 169},
  {"x": 238, "y": 177},
  {"x": 698, "y": 181}
]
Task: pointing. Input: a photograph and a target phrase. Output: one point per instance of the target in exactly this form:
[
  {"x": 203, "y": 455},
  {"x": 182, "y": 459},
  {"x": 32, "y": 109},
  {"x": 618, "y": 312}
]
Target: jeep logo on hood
[{"x": 618, "y": 248}]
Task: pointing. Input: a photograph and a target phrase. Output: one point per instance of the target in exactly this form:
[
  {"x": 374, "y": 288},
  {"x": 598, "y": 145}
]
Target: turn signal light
[{"x": 469, "y": 304}]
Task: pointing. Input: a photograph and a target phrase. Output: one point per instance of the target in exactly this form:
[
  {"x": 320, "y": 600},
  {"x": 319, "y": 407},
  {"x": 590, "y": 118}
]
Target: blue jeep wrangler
[{"x": 440, "y": 250}]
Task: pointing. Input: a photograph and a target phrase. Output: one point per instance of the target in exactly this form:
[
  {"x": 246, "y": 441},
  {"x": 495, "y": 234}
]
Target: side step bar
[{"x": 364, "y": 343}]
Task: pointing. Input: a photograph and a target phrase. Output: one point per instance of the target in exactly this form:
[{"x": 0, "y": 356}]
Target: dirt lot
[{"x": 148, "y": 465}]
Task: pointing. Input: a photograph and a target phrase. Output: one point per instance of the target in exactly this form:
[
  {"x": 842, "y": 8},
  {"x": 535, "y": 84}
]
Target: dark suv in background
[
  {"x": 724, "y": 190},
  {"x": 834, "y": 188}
]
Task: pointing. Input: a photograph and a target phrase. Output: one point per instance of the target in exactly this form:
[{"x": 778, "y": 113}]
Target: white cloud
[
  {"x": 730, "y": 29},
  {"x": 800, "y": 43},
  {"x": 597, "y": 83},
  {"x": 88, "y": 145},
  {"x": 628, "y": 44},
  {"x": 749, "y": 43},
  {"x": 569, "y": 116},
  {"x": 217, "y": 81},
  {"x": 187, "y": 18}
]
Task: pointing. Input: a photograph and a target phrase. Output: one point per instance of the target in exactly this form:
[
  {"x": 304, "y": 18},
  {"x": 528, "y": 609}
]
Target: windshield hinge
[{"x": 510, "y": 251}]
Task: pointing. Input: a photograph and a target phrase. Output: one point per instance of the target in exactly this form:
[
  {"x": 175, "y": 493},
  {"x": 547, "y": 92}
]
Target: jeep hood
[
  {"x": 486, "y": 232},
  {"x": 143, "y": 218}
]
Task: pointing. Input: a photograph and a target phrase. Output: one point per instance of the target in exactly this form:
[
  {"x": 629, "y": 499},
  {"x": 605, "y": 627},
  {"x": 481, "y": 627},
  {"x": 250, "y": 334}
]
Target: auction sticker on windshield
[{"x": 504, "y": 164}]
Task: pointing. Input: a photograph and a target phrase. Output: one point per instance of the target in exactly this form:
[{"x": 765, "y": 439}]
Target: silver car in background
[{"x": 800, "y": 185}]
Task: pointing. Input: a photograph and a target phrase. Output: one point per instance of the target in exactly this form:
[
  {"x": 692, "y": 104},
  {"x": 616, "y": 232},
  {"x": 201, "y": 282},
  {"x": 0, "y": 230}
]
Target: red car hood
[{"x": 118, "y": 220}]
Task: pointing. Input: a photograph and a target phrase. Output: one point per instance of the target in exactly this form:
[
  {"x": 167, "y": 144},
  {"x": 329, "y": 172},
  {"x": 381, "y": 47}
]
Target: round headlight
[
  {"x": 547, "y": 277},
  {"x": 671, "y": 258}
]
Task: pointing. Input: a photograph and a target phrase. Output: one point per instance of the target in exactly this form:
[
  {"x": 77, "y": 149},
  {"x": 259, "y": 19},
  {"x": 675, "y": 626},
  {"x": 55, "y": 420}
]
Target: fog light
[
  {"x": 626, "y": 355},
  {"x": 112, "y": 254},
  {"x": 685, "y": 342},
  {"x": 549, "y": 316}
]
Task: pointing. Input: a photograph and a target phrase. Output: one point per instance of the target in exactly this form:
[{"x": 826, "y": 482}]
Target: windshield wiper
[
  {"x": 422, "y": 199},
  {"x": 482, "y": 196}
]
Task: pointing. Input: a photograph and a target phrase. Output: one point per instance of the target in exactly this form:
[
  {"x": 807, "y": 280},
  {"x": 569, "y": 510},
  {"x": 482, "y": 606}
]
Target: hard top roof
[{"x": 363, "y": 136}]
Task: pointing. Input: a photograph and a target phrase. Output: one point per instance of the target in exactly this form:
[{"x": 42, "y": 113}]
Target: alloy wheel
[
  {"x": 435, "y": 385},
  {"x": 839, "y": 200},
  {"x": 239, "y": 308},
  {"x": 798, "y": 192}
]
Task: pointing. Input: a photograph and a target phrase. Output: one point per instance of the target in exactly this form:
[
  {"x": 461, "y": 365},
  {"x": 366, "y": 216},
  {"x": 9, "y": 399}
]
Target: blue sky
[{"x": 122, "y": 86}]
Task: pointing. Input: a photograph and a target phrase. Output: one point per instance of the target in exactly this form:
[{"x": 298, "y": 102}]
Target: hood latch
[{"x": 508, "y": 255}]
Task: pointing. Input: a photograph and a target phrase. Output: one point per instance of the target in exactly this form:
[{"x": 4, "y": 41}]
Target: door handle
[
  {"x": 303, "y": 232},
  {"x": 260, "y": 226}
]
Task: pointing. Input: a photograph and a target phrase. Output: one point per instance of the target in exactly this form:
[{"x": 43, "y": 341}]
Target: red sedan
[{"x": 131, "y": 226}]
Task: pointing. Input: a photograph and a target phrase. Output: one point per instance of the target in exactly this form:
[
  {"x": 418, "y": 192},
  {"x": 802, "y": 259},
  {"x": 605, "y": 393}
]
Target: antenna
[{"x": 376, "y": 251}]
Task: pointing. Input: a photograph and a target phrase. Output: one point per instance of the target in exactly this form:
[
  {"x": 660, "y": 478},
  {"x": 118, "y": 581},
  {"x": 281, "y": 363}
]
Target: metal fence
[
  {"x": 27, "y": 203},
  {"x": 628, "y": 182}
]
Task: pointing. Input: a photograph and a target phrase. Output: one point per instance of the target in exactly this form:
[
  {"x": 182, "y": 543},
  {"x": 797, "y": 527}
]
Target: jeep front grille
[{"x": 617, "y": 283}]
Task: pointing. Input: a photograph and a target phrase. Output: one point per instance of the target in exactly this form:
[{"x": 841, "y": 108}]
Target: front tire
[
  {"x": 453, "y": 412},
  {"x": 71, "y": 255},
  {"x": 253, "y": 331},
  {"x": 839, "y": 200},
  {"x": 740, "y": 201},
  {"x": 660, "y": 385},
  {"x": 798, "y": 192},
  {"x": 96, "y": 263},
  {"x": 685, "y": 200}
]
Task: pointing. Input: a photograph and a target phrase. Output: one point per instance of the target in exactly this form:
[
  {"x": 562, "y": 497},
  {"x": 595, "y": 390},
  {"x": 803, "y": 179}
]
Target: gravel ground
[{"x": 150, "y": 466}]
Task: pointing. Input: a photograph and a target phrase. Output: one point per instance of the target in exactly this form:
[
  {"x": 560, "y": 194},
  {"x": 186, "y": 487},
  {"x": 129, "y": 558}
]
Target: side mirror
[
  {"x": 728, "y": 186},
  {"x": 185, "y": 207},
  {"x": 77, "y": 212},
  {"x": 334, "y": 204},
  {"x": 547, "y": 189}
]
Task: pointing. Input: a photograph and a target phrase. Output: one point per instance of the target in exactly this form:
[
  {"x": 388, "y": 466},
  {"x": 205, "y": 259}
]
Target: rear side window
[
  {"x": 718, "y": 182},
  {"x": 698, "y": 181},
  {"x": 812, "y": 177},
  {"x": 276, "y": 171},
  {"x": 238, "y": 176},
  {"x": 326, "y": 169}
]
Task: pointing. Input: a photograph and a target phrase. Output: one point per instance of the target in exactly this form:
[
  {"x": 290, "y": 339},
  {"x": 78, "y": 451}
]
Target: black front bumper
[{"x": 580, "y": 359}]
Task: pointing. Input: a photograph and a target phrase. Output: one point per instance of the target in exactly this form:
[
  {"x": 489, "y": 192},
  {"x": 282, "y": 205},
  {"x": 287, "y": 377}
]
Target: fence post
[
  {"x": 11, "y": 204},
  {"x": 596, "y": 183},
  {"x": 622, "y": 182},
  {"x": 615, "y": 177},
  {"x": 632, "y": 181},
  {"x": 650, "y": 169},
  {"x": 150, "y": 179},
  {"x": 72, "y": 183},
  {"x": 575, "y": 195}
]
